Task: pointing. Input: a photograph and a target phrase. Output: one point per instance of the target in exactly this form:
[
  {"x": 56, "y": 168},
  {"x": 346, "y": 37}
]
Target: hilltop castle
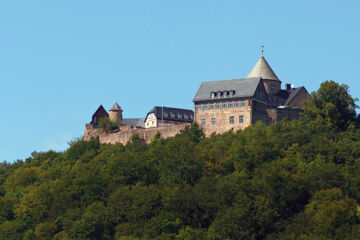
[
  {"x": 235, "y": 104},
  {"x": 219, "y": 106}
]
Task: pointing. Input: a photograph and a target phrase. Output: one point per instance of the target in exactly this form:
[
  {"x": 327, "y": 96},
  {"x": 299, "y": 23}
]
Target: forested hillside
[{"x": 290, "y": 180}]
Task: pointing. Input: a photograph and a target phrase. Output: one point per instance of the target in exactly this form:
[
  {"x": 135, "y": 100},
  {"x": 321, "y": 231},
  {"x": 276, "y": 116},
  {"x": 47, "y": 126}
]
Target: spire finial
[{"x": 262, "y": 50}]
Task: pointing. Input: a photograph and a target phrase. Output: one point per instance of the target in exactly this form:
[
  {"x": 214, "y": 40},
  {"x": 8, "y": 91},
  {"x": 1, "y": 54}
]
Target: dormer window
[
  {"x": 172, "y": 115},
  {"x": 166, "y": 114},
  {"x": 179, "y": 116},
  {"x": 213, "y": 94},
  {"x": 186, "y": 116},
  {"x": 191, "y": 117},
  {"x": 219, "y": 94}
]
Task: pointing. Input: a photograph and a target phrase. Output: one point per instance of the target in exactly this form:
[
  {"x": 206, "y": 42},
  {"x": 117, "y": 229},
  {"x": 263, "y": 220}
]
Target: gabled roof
[
  {"x": 262, "y": 69},
  {"x": 116, "y": 107},
  {"x": 173, "y": 114},
  {"x": 245, "y": 87},
  {"x": 283, "y": 97},
  {"x": 293, "y": 94}
]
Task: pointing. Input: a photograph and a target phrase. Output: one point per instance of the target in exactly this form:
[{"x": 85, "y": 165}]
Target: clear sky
[{"x": 59, "y": 60}]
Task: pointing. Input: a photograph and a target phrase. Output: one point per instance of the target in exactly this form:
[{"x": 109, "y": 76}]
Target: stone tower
[
  {"x": 262, "y": 69},
  {"x": 116, "y": 114}
]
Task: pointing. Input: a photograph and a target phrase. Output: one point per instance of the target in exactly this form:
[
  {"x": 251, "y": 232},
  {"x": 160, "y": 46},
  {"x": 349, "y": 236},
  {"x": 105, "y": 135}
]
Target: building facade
[
  {"x": 235, "y": 104},
  {"x": 165, "y": 116}
]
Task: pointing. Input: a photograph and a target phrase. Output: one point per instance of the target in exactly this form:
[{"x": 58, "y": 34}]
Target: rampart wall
[{"x": 124, "y": 135}]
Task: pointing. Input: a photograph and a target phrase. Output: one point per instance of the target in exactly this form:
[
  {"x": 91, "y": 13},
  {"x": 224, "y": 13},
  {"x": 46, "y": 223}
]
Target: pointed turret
[{"x": 262, "y": 69}]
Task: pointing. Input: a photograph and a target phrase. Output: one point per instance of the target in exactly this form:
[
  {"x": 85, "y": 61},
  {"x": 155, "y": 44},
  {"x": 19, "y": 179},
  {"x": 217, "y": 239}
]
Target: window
[
  {"x": 211, "y": 106},
  {"x": 191, "y": 117},
  {"x": 203, "y": 122},
  {"x": 199, "y": 107},
  {"x": 166, "y": 114},
  {"x": 231, "y": 120},
  {"x": 186, "y": 116},
  {"x": 224, "y": 105},
  {"x": 219, "y": 94},
  {"x": 172, "y": 115},
  {"x": 205, "y": 106},
  {"x": 179, "y": 116},
  {"x": 217, "y": 105},
  {"x": 212, "y": 95},
  {"x": 241, "y": 119},
  {"x": 272, "y": 88},
  {"x": 243, "y": 103},
  {"x": 230, "y": 104},
  {"x": 236, "y": 104},
  {"x": 213, "y": 121}
]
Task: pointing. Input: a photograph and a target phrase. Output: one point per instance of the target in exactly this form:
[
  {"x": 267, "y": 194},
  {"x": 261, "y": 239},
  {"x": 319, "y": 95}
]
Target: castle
[{"x": 219, "y": 106}]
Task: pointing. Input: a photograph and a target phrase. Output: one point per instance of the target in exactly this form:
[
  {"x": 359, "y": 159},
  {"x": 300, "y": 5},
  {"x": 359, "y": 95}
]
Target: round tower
[{"x": 115, "y": 114}]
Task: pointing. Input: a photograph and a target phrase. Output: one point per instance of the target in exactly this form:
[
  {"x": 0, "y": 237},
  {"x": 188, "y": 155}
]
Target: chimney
[{"x": 288, "y": 87}]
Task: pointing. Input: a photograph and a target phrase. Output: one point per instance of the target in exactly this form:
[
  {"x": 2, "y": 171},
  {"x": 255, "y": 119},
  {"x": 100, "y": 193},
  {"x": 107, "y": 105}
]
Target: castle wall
[
  {"x": 123, "y": 136},
  {"x": 277, "y": 114},
  {"x": 222, "y": 117},
  {"x": 259, "y": 113}
]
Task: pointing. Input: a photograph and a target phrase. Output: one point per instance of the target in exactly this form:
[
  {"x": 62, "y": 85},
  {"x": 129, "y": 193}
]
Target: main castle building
[{"x": 235, "y": 104}]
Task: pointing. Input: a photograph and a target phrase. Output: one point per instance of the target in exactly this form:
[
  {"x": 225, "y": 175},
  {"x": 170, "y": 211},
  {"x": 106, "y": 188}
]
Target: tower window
[
  {"x": 243, "y": 103},
  {"x": 206, "y": 106},
  {"x": 272, "y": 88},
  {"x": 217, "y": 105},
  {"x": 224, "y": 105},
  {"x": 237, "y": 104},
  {"x": 230, "y": 104},
  {"x": 211, "y": 106},
  {"x": 199, "y": 107},
  {"x": 213, "y": 121}
]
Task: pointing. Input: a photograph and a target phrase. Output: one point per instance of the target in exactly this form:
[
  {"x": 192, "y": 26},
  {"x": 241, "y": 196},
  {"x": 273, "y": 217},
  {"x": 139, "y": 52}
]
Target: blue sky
[{"x": 59, "y": 60}]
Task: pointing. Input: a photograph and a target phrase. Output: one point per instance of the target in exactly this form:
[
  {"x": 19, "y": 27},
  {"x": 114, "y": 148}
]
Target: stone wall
[
  {"x": 222, "y": 117},
  {"x": 277, "y": 114},
  {"x": 124, "y": 135}
]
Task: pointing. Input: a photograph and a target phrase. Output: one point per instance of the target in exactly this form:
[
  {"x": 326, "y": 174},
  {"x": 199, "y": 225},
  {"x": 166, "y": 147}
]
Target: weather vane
[{"x": 262, "y": 50}]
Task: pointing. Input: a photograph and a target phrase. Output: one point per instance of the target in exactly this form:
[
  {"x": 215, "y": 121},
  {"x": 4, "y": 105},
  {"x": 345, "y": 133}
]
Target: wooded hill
[{"x": 290, "y": 180}]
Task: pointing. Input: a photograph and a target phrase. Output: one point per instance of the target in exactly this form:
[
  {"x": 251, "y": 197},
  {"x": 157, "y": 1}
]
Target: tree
[
  {"x": 331, "y": 105},
  {"x": 105, "y": 124}
]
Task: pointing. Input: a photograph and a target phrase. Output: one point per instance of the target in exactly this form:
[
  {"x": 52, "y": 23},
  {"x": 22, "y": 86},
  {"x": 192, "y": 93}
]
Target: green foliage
[
  {"x": 106, "y": 125},
  {"x": 291, "y": 180},
  {"x": 332, "y": 106}
]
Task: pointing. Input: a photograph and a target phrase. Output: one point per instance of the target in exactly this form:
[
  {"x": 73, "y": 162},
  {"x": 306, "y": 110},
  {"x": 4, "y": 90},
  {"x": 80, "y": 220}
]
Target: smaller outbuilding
[{"x": 165, "y": 116}]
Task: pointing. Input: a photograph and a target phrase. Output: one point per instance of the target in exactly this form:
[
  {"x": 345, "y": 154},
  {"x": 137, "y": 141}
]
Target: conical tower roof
[
  {"x": 262, "y": 69},
  {"x": 116, "y": 107}
]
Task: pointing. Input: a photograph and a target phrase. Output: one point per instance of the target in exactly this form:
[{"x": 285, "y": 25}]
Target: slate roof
[
  {"x": 262, "y": 69},
  {"x": 172, "y": 114},
  {"x": 245, "y": 87},
  {"x": 138, "y": 122},
  {"x": 116, "y": 107}
]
